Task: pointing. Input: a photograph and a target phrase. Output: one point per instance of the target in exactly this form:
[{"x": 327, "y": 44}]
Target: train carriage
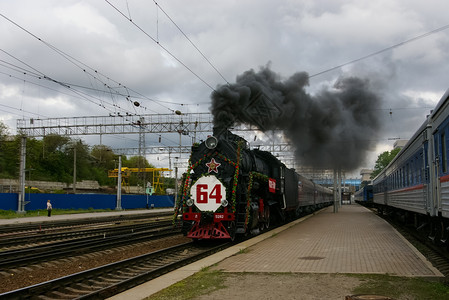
[
  {"x": 364, "y": 195},
  {"x": 440, "y": 134},
  {"x": 416, "y": 182},
  {"x": 403, "y": 183}
]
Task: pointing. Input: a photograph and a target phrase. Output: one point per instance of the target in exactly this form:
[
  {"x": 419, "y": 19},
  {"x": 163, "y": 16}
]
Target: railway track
[
  {"x": 39, "y": 254},
  {"x": 108, "y": 280},
  {"x": 435, "y": 253},
  {"x": 30, "y": 229},
  {"x": 17, "y": 242}
]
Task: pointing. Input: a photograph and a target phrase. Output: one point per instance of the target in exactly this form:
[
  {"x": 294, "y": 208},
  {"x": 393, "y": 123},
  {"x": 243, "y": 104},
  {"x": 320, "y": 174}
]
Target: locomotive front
[{"x": 210, "y": 186}]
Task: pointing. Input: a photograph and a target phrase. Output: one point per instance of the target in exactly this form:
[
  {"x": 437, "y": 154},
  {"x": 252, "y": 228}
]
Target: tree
[
  {"x": 383, "y": 160},
  {"x": 138, "y": 162},
  {"x": 54, "y": 142},
  {"x": 103, "y": 159},
  {"x": 52, "y": 159},
  {"x": 9, "y": 149}
]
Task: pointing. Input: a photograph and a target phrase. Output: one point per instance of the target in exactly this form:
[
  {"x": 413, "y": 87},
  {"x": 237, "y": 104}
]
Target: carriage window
[
  {"x": 436, "y": 151},
  {"x": 402, "y": 177},
  {"x": 417, "y": 170},
  {"x": 396, "y": 179},
  {"x": 443, "y": 152},
  {"x": 420, "y": 167},
  {"x": 407, "y": 175}
]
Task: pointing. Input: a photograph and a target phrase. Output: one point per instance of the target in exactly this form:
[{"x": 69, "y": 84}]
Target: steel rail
[
  {"x": 52, "y": 224},
  {"x": 108, "y": 280},
  {"x": 42, "y": 237},
  {"x": 39, "y": 254}
]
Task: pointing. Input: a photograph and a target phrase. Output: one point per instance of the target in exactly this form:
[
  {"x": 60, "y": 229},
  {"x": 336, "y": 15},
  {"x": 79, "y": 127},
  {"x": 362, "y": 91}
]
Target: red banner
[{"x": 271, "y": 185}]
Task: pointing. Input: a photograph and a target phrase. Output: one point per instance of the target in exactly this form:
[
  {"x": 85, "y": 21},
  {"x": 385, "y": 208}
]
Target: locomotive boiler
[{"x": 230, "y": 190}]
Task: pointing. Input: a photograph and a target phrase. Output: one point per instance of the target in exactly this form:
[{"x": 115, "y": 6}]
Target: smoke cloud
[{"x": 332, "y": 129}]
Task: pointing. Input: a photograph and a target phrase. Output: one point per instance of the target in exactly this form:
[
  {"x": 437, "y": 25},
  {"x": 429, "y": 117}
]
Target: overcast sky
[{"x": 92, "y": 46}]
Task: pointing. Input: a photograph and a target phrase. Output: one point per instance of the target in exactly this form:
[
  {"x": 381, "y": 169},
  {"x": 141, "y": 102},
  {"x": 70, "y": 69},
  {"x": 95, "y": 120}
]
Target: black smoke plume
[{"x": 332, "y": 129}]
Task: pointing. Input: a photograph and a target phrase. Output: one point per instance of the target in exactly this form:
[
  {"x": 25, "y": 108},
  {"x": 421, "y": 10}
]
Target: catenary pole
[
  {"x": 21, "y": 199},
  {"x": 118, "y": 205}
]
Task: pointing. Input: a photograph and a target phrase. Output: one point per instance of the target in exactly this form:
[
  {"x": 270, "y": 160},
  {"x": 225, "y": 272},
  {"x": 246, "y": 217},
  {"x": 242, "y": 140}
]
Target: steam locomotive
[{"x": 230, "y": 190}]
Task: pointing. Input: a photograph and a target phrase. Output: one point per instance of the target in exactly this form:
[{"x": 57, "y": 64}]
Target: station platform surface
[
  {"x": 92, "y": 215},
  {"x": 353, "y": 240}
]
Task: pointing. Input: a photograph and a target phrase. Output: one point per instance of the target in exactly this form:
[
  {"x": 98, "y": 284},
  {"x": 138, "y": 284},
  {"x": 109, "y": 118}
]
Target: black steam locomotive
[{"x": 230, "y": 190}]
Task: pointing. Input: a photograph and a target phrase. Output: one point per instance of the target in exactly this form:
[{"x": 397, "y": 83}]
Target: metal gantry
[{"x": 114, "y": 124}]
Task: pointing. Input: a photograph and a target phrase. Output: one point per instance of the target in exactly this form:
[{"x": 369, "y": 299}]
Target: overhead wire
[
  {"x": 160, "y": 45},
  {"x": 21, "y": 110},
  {"x": 382, "y": 50},
  {"x": 81, "y": 65},
  {"x": 110, "y": 89},
  {"x": 41, "y": 75},
  {"x": 46, "y": 87},
  {"x": 191, "y": 42}
]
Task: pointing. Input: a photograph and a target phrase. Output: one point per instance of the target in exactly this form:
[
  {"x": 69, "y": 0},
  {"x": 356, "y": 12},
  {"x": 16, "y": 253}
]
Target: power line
[
  {"x": 383, "y": 50},
  {"x": 160, "y": 45},
  {"x": 20, "y": 110},
  {"x": 82, "y": 66},
  {"x": 199, "y": 51},
  {"x": 80, "y": 94}
]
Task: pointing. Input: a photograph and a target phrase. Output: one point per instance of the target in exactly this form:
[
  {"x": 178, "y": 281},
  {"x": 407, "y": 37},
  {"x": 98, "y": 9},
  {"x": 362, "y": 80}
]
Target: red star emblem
[{"x": 213, "y": 166}]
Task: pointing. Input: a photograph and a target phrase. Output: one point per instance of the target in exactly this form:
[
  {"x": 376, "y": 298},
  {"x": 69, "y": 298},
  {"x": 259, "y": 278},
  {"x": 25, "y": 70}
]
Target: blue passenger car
[{"x": 416, "y": 182}]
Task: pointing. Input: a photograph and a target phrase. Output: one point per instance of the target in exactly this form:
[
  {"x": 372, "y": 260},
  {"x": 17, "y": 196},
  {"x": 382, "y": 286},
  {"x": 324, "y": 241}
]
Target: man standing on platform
[{"x": 49, "y": 208}]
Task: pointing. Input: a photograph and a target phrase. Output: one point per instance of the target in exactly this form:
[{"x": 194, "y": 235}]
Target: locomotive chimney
[{"x": 219, "y": 131}]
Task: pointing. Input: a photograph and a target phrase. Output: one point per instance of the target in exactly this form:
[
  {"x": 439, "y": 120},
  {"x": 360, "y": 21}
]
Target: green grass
[
  {"x": 243, "y": 250},
  {"x": 207, "y": 281},
  {"x": 402, "y": 287},
  {"x": 11, "y": 214},
  {"x": 201, "y": 283}
]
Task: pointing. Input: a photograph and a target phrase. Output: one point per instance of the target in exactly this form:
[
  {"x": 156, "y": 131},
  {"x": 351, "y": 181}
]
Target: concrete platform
[{"x": 354, "y": 240}]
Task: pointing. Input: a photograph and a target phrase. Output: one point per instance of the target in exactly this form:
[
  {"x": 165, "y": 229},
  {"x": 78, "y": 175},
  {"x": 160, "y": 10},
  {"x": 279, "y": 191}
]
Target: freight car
[
  {"x": 415, "y": 185},
  {"x": 230, "y": 190}
]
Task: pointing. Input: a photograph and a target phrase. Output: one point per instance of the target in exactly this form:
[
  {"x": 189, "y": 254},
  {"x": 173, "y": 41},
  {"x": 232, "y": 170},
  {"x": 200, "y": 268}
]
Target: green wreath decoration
[
  {"x": 181, "y": 201},
  {"x": 252, "y": 175}
]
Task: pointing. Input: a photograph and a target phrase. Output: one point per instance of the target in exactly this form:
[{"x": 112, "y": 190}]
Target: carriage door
[
  {"x": 441, "y": 168},
  {"x": 424, "y": 176},
  {"x": 440, "y": 163}
]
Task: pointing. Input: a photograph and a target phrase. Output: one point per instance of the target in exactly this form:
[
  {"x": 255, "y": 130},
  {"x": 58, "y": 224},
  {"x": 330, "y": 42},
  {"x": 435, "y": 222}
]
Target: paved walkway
[{"x": 354, "y": 240}]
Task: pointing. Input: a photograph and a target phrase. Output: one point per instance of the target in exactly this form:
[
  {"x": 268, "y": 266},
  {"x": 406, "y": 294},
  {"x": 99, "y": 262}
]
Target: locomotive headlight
[
  {"x": 224, "y": 203},
  {"x": 189, "y": 202},
  {"x": 211, "y": 142}
]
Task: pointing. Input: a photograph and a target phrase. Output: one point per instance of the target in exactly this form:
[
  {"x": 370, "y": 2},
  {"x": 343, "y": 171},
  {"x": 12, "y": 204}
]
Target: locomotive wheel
[
  {"x": 232, "y": 230},
  {"x": 266, "y": 215},
  {"x": 264, "y": 222}
]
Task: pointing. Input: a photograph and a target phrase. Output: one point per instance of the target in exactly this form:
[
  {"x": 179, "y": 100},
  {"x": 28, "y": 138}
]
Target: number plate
[{"x": 208, "y": 192}]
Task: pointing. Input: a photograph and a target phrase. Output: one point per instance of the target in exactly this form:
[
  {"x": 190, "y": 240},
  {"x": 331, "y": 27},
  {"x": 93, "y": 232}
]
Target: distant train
[
  {"x": 230, "y": 190},
  {"x": 416, "y": 183},
  {"x": 365, "y": 194}
]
